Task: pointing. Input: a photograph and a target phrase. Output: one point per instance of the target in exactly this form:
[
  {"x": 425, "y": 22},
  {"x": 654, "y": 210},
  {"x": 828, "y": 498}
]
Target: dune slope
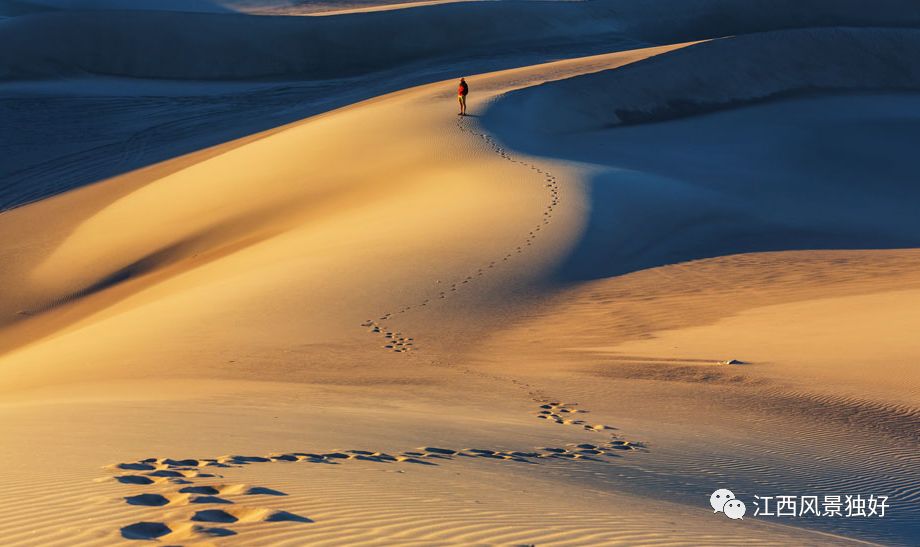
[
  {"x": 252, "y": 310},
  {"x": 779, "y": 175},
  {"x": 351, "y": 329},
  {"x": 210, "y": 46},
  {"x": 725, "y": 73}
]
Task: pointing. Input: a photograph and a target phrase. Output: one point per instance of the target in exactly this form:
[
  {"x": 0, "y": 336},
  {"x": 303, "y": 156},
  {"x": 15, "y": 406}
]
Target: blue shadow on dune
[
  {"x": 188, "y": 76},
  {"x": 818, "y": 172}
]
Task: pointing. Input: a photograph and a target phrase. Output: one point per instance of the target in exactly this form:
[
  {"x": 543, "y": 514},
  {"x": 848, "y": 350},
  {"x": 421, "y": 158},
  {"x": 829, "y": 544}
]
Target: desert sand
[{"x": 364, "y": 320}]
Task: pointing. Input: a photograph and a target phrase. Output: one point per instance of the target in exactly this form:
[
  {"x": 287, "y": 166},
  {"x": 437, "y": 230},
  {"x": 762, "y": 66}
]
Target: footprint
[
  {"x": 480, "y": 451},
  {"x": 180, "y": 463},
  {"x": 443, "y": 451},
  {"x": 213, "y": 531},
  {"x": 284, "y": 516},
  {"x": 622, "y": 445},
  {"x": 210, "y": 499},
  {"x": 134, "y": 479},
  {"x": 148, "y": 500},
  {"x": 169, "y": 473},
  {"x": 205, "y": 490},
  {"x": 214, "y": 515},
  {"x": 136, "y": 466},
  {"x": 410, "y": 459},
  {"x": 145, "y": 530},
  {"x": 263, "y": 491},
  {"x": 243, "y": 460}
]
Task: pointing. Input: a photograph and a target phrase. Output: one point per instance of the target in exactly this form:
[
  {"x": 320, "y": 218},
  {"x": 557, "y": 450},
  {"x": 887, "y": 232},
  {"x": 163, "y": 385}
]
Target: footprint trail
[
  {"x": 207, "y": 507},
  {"x": 228, "y": 505},
  {"x": 394, "y": 340}
]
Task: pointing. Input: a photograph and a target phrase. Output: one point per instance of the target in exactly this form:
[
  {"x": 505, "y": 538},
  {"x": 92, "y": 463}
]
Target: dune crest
[
  {"x": 387, "y": 324},
  {"x": 217, "y": 46},
  {"x": 724, "y": 73}
]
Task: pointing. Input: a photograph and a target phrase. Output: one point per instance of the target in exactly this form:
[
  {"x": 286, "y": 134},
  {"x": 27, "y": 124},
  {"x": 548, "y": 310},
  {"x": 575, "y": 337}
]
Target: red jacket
[{"x": 463, "y": 89}]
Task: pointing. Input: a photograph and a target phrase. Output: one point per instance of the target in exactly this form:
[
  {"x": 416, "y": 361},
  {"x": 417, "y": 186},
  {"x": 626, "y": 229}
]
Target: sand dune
[
  {"x": 389, "y": 325},
  {"x": 242, "y": 46},
  {"x": 831, "y": 350},
  {"x": 231, "y": 204},
  {"x": 208, "y": 46},
  {"x": 125, "y": 124},
  {"x": 724, "y": 73},
  {"x": 744, "y": 170},
  {"x": 71, "y": 126},
  {"x": 825, "y": 394}
]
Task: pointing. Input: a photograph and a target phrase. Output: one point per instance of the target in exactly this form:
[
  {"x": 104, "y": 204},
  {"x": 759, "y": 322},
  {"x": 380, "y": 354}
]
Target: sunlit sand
[{"x": 305, "y": 303}]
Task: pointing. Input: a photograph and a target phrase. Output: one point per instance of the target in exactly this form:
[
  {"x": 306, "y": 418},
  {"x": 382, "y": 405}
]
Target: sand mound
[
  {"x": 725, "y": 73},
  {"x": 263, "y": 259},
  {"x": 160, "y": 44},
  {"x": 214, "y": 46},
  {"x": 807, "y": 173}
]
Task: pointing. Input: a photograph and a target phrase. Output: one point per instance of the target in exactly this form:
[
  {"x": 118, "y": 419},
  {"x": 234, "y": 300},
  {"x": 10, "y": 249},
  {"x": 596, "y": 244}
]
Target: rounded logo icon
[
  {"x": 719, "y": 497},
  {"x": 734, "y": 509}
]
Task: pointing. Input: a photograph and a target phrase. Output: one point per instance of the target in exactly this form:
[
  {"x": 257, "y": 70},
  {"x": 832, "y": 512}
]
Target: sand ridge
[
  {"x": 398, "y": 342},
  {"x": 224, "y": 299}
]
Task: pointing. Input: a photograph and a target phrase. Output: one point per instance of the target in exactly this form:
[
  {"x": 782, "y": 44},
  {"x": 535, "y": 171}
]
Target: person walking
[{"x": 462, "y": 91}]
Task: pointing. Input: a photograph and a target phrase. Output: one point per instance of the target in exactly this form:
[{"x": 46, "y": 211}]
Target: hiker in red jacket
[{"x": 462, "y": 90}]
